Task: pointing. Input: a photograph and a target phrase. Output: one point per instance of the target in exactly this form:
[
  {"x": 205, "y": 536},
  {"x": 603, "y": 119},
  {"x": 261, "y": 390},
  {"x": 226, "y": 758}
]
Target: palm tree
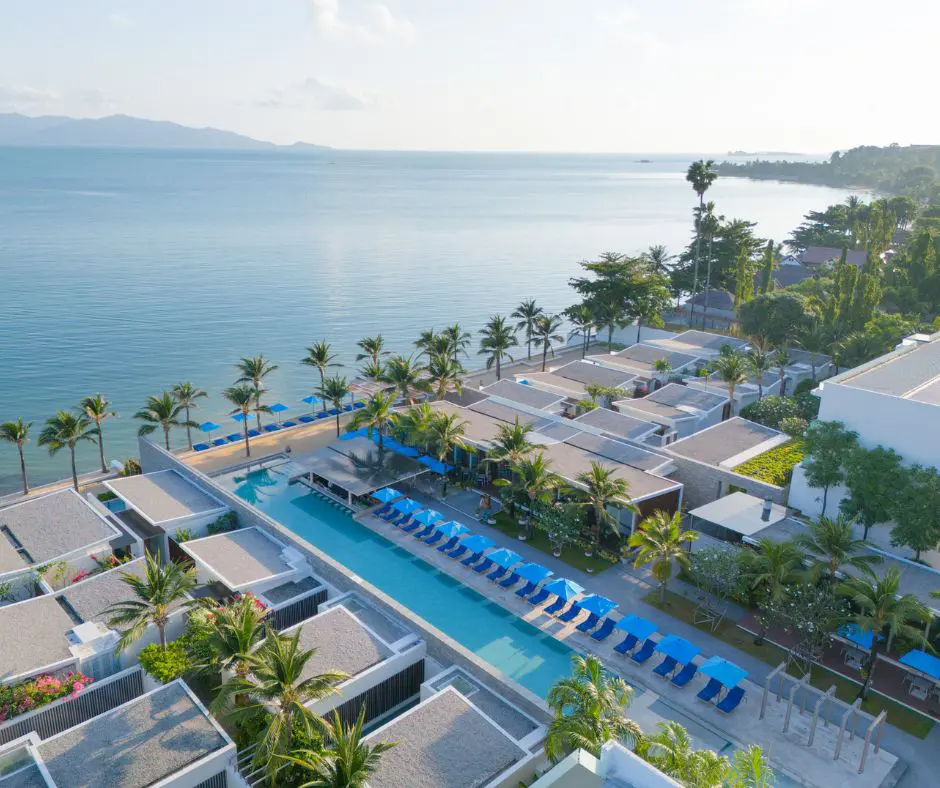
[
  {"x": 276, "y": 692},
  {"x": 372, "y": 371},
  {"x": 375, "y": 416},
  {"x": 406, "y": 376},
  {"x": 498, "y": 337},
  {"x": 545, "y": 332},
  {"x": 662, "y": 367},
  {"x": 236, "y": 628},
  {"x": 883, "y": 608},
  {"x": 321, "y": 356},
  {"x": 527, "y": 313},
  {"x": 334, "y": 390},
  {"x": 243, "y": 398},
  {"x": 660, "y": 540},
  {"x": 425, "y": 340},
  {"x": 782, "y": 360},
  {"x": 17, "y": 432},
  {"x": 413, "y": 426},
  {"x": 186, "y": 395},
  {"x": 446, "y": 436},
  {"x": 511, "y": 444},
  {"x": 605, "y": 490},
  {"x": 373, "y": 348},
  {"x": 658, "y": 257},
  {"x": 163, "y": 588},
  {"x": 750, "y": 769},
  {"x": 759, "y": 362},
  {"x": 97, "y": 408},
  {"x": 457, "y": 340},
  {"x": 582, "y": 323},
  {"x": 814, "y": 339},
  {"x": 67, "y": 430},
  {"x": 349, "y": 762},
  {"x": 671, "y": 751},
  {"x": 444, "y": 374},
  {"x": 531, "y": 477},
  {"x": 161, "y": 412},
  {"x": 831, "y": 544},
  {"x": 732, "y": 371},
  {"x": 701, "y": 174},
  {"x": 589, "y": 710},
  {"x": 254, "y": 370},
  {"x": 768, "y": 570}
]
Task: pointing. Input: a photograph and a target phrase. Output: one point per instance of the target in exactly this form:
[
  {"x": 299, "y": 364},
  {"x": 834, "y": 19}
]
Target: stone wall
[{"x": 706, "y": 483}]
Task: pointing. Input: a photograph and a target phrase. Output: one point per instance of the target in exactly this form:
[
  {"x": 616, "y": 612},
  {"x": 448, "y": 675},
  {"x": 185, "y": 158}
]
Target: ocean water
[{"x": 126, "y": 271}]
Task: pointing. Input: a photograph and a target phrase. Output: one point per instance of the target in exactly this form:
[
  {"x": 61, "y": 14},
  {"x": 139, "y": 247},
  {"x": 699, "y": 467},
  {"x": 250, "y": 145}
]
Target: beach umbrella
[
  {"x": 922, "y": 662},
  {"x": 564, "y": 588},
  {"x": 678, "y": 648},
  {"x": 477, "y": 543},
  {"x": 208, "y": 426},
  {"x": 311, "y": 400},
  {"x": 451, "y": 529},
  {"x": 598, "y": 605},
  {"x": 278, "y": 408},
  {"x": 534, "y": 573},
  {"x": 720, "y": 669},
  {"x": 504, "y": 557},
  {"x": 240, "y": 417},
  {"x": 428, "y": 516},
  {"x": 406, "y": 506},
  {"x": 386, "y": 495},
  {"x": 860, "y": 637},
  {"x": 637, "y": 626}
]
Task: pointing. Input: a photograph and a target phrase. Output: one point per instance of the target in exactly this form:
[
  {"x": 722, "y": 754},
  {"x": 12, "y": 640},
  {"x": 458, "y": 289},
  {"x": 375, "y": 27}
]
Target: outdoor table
[{"x": 919, "y": 689}]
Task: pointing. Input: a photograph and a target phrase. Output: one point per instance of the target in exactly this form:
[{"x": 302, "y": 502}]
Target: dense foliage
[
  {"x": 21, "y": 698},
  {"x": 165, "y": 665},
  {"x": 774, "y": 466},
  {"x": 771, "y": 411}
]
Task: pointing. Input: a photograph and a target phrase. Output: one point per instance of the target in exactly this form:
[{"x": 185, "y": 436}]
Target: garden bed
[{"x": 572, "y": 555}]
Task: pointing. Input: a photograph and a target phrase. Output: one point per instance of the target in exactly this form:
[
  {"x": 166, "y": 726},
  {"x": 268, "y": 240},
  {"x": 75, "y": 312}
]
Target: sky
[{"x": 541, "y": 75}]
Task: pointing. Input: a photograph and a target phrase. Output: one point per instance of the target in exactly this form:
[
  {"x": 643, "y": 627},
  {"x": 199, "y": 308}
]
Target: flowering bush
[
  {"x": 80, "y": 576},
  {"x": 42, "y": 690}
]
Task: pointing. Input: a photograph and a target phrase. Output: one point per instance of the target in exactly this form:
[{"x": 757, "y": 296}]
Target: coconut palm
[
  {"x": 186, "y": 395},
  {"x": 582, "y": 324},
  {"x": 604, "y": 490},
  {"x": 235, "y": 629},
  {"x": 831, "y": 544},
  {"x": 658, "y": 258},
  {"x": 334, "y": 390},
  {"x": 759, "y": 362},
  {"x": 321, "y": 357},
  {"x": 254, "y": 371},
  {"x": 883, "y": 609},
  {"x": 446, "y": 434},
  {"x": 782, "y": 360},
  {"x": 408, "y": 377},
  {"x": 444, "y": 374},
  {"x": 424, "y": 341},
  {"x": 376, "y": 416},
  {"x": 349, "y": 762},
  {"x": 671, "y": 751},
  {"x": 532, "y": 478},
  {"x": 243, "y": 398},
  {"x": 413, "y": 426},
  {"x": 750, "y": 769},
  {"x": 373, "y": 348},
  {"x": 545, "y": 332},
  {"x": 17, "y": 433},
  {"x": 662, "y": 367},
  {"x": 661, "y": 541},
  {"x": 527, "y": 313},
  {"x": 768, "y": 570},
  {"x": 498, "y": 338},
  {"x": 277, "y": 695},
  {"x": 731, "y": 370},
  {"x": 164, "y": 587},
  {"x": 161, "y": 412},
  {"x": 589, "y": 710},
  {"x": 67, "y": 430},
  {"x": 372, "y": 371},
  {"x": 814, "y": 339},
  {"x": 701, "y": 174},
  {"x": 98, "y": 409},
  {"x": 457, "y": 340}
]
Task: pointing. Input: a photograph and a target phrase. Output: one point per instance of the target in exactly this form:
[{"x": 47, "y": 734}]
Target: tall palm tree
[
  {"x": 254, "y": 371},
  {"x": 731, "y": 370},
  {"x": 373, "y": 348},
  {"x": 671, "y": 750},
  {"x": 186, "y": 395},
  {"x": 814, "y": 339},
  {"x": 457, "y": 339},
  {"x": 527, "y": 313},
  {"x": 322, "y": 358},
  {"x": 413, "y": 426},
  {"x": 236, "y": 628},
  {"x": 661, "y": 541},
  {"x": 883, "y": 609},
  {"x": 446, "y": 434},
  {"x": 444, "y": 374},
  {"x": 243, "y": 398},
  {"x": 348, "y": 762},
  {"x": 532, "y": 478},
  {"x": 604, "y": 490},
  {"x": 161, "y": 412},
  {"x": 17, "y": 433},
  {"x": 511, "y": 443},
  {"x": 701, "y": 174},
  {"x": 372, "y": 371},
  {"x": 545, "y": 332},
  {"x": 376, "y": 416},
  {"x": 425, "y": 340},
  {"x": 98, "y": 409},
  {"x": 658, "y": 257},
  {"x": 164, "y": 588},
  {"x": 750, "y": 769},
  {"x": 782, "y": 360},
  {"x": 589, "y": 710},
  {"x": 67, "y": 430},
  {"x": 276, "y": 693},
  {"x": 759, "y": 362},
  {"x": 768, "y": 569},
  {"x": 498, "y": 338},
  {"x": 582, "y": 324},
  {"x": 406, "y": 376},
  {"x": 334, "y": 390},
  {"x": 831, "y": 544}
]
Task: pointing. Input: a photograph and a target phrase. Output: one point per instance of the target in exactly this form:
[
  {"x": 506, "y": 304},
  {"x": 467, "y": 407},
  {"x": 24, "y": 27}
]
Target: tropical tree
[
  {"x": 731, "y": 370},
  {"x": 883, "y": 609},
  {"x": 750, "y": 769},
  {"x": 321, "y": 357},
  {"x": 604, "y": 490},
  {"x": 406, "y": 376},
  {"x": 701, "y": 174},
  {"x": 545, "y": 332},
  {"x": 98, "y": 409},
  {"x": 373, "y": 348},
  {"x": 376, "y": 416},
  {"x": 658, "y": 257},
  {"x": 414, "y": 425},
  {"x": 528, "y": 312},
  {"x": 768, "y": 570},
  {"x": 662, "y": 367},
  {"x": 589, "y": 710},
  {"x": 782, "y": 359},
  {"x": 829, "y": 447},
  {"x": 164, "y": 587},
  {"x": 372, "y": 371},
  {"x": 425, "y": 340},
  {"x": 254, "y": 371},
  {"x": 444, "y": 374},
  {"x": 161, "y": 412},
  {"x": 457, "y": 340},
  {"x": 582, "y": 325},
  {"x": 831, "y": 544},
  {"x": 186, "y": 395},
  {"x": 17, "y": 433},
  {"x": 532, "y": 479},
  {"x": 334, "y": 390},
  {"x": 671, "y": 751},
  {"x": 498, "y": 338},
  {"x": 243, "y": 399},
  {"x": 234, "y": 631},
  {"x": 67, "y": 430},
  {"x": 511, "y": 444},
  {"x": 814, "y": 339},
  {"x": 660, "y": 541},
  {"x": 445, "y": 433},
  {"x": 874, "y": 480},
  {"x": 759, "y": 362}
]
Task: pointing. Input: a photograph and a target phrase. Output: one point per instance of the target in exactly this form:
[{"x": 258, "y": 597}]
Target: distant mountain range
[{"x": 123, "y": 131}]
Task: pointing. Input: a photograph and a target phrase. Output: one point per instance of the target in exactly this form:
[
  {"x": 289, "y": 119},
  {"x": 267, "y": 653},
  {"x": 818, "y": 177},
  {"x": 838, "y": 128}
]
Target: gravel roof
[
  {"x": 508, "y": 717},
  {"x": 53, "y": 525},
  {"x": 498, "y": 410},
  {"x": 723, "y": 441},
  {"x": 586, "y": 372},
  {"x": 32, "y": 635},
  {"x": 525, "y": 395},
  {"x": 164, "y": 496},
  {"x": 239, "y": 557},
  {"x": 444, "y": 742},
  {"x": 134, "y": 746},
  {"x": 618, "y": 424},
  {"x": 91, "y": 597},
  {"x": 643, "y": 356},
  {"x": 677, "y": 395},
  {"x": 570, "y": 388},
  {"x": 569, "y": 461},
  {"x": 480, "y": 428}
]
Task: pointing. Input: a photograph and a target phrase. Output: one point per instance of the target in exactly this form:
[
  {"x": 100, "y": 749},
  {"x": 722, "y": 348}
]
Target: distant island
[{"x": 123, "y": 131}]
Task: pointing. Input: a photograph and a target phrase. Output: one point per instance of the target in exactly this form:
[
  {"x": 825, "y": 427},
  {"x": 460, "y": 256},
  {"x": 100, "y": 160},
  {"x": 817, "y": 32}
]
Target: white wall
[{"x": 808, "y": 500}]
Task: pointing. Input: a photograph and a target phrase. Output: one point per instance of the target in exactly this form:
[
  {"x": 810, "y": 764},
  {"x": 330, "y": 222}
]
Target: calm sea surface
[{"x": 126, "y": 271}]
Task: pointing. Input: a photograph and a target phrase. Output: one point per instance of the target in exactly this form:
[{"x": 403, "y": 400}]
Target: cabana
[{"x": 928, "y": 666}]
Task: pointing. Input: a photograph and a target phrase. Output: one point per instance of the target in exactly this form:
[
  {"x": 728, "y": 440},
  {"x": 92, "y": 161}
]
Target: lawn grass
[
  {"x": 573, "y": 556},
  {"x": 821, "y": 678}
]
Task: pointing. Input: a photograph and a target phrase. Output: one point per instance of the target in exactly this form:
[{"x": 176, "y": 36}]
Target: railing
[
  {"x": 218, "y": 781},
  {"x": 293, "y": 613}
]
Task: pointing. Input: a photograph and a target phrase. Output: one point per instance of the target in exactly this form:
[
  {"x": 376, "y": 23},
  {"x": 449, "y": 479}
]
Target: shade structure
[
  {"x": 311, "y": 400},
  {"x": 477, "y": 543},
  {"x": 597, "y": 604},
  {"x": 504, "y": 557},
  {"x": 451, "y": 529},
  {"x": 396, "y": 446},
  {"x": 534, "y": 573},
  {"x": 564, "y": 588},
  {"x": 208, "y": 426},
  {"x": 678, "y": 648},
  {"x": 727, "y": 673},
  {"x": 436, "y": 465},
  {"x": 922, "y": 662},
  {"x": 637, "y": 626},
  {"x": 360, "y": 433},
  {"x": 428, "y": 516},
  {"x": 406, "y": 506},
  {"x": 386, "y": 495},
  {"x": 279, "y": 407},
  {"x": 860, "y": 637},
  {"x": 240, "y": 417}
]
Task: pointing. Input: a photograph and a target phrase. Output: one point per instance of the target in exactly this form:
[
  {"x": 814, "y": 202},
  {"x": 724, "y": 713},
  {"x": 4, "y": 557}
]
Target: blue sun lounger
[
  {"x": 358, "y": 405},
  {"x": 472, "y": 558},
  {"x": 605, "y": 629},
  {"x": 509, "y": 581},
  {"x": 414, "y": 525},
  {"x": 391, "y": 514},
  {"x": 271, "y": 427},
  {"x": 527, "y": 589},
  {"x": 333, "y": 412},
  {"x": 385, "y": 508},
  {"x": 589, "y": 623},
  {"x": 497, "y": 573},
  {"x": 626, "y": 645},
  {"x": 709, "y": 691},
  {"x": 323, "y": 414},
  {"x": 731, "y": 701},
  {"x": 253, "y": 433},
  {"x": 200, "y": 446},
  {"x": 449, "y": 544},
  {"x": 644, "y": 653},
  {"x": 557, "y": 606},
  {"x": 235, "y": 437},
  {"x": 484, "y": 565},
  {"x": 434, "y": 538},
  {"x": 457, "y": 552},
  {"x": 307, "y": 419},
  {"x": 571, "y": 613},
  {"x": 426, "y": 532},
  {"x": 219, "y": 442},
  {"x": 288, "y": 424},
  {"x": 402, "y": 521},
  {"x": 540, "y": 597},
  {"x": 665, "y": 668},
  {"x": 685, "y": 675},
  {"x": 347, "y": 408}
]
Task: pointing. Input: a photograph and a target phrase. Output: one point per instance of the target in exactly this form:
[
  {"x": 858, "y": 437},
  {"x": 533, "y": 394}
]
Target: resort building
[
  {"x": 680, "y": 410},
  {"x": 573, "y": 379},
  {"x": 621, "y": 426},
  {"x": 617, "y": 766},
  {"x": 708, "y": 309},
  {"x": 639, "y": 359},
  {"x": 744, "y": 393},
  {"x": 816, "y": 256},
  {"x": 531, "y": 397},
  {"x": 60, "y": 533},
  {"x": 700, "y": 344},
  {"x": 462, "y": 733}
]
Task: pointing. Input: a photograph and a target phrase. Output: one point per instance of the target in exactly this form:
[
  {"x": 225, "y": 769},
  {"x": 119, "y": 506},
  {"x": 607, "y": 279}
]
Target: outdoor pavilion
[{"x": 736, "y": 517}]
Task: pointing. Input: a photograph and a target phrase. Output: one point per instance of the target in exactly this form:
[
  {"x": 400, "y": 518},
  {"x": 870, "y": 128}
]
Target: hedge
[{"x": 775, "y": 466}]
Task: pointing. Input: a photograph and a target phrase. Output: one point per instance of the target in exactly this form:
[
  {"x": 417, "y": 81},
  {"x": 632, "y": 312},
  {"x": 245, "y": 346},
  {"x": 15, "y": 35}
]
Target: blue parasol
[
  {"x": 240, "y": 417},
  {"x": 564, "y": 588},
  {"x": 477, "y": 543},
  {"x": 637, "y": 626},
  {"x": 534, "y": 573},
  {"x": 923, "y": 662},
  {"x": 311, "y": 400},
  {"x": 428, "y": 516},
  {"x": 437, "y": 466},
  {"x": 599, "y": 605},
  {"x": 208, "y": 426},
  {"x": 386, "y": 495},
  {"x": 451, "y": 529},
  {"x": 727, "y": 673},
  {"x": 278, "y": 408},
  {"x": 860, "y": 637},
  {"x": 406, "y": 506},
  {"x": 678, "y": 648},
  {"x": 504, "y": 557}
]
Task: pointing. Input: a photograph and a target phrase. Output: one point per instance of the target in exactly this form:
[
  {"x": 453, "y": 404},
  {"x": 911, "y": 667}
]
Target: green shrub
[
  {"x": 794, "y": 426},
  {"x": 771, "y": 411},
  {"x": 195, "y": 638},
  {"x": 804, "y": 386},
  {"x": 227, "y": 522},
  {"x": 165, "y": 666},
  {"x": 774, "y": 466},
  {"x": 184, "y": 535},
  {"x": 131, "y": 467},
  {"x": 107, "y": 496}
]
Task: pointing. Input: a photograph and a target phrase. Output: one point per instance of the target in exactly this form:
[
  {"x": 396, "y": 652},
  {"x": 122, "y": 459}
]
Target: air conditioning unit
[{"x": 92, "y": 644}]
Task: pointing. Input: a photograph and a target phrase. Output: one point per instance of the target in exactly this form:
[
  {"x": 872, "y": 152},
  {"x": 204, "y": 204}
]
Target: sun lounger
[
  {"x": 685, "y": 675},
  {"x": 219, "y": 442},
  {"x": 605, "y": 629},
  {"x": 235, "y": 437},
  {"x": 358, "y": 405},
  {"x": 434, "y": 538},
  {"x": 570, "y": 614},
  {"x": 307, "y": 419},
  {"x": 391, "y": 514},
  {"x": 540, "y": 597},
  {"x": 472, "y": 558},
  {"x": 347, "y": 408},
  {"x": 323, "y": 414},
  {"x": 626, "y": 645},
  {"x": 401, "y": 521},
  {"x": 731, "y": 701},
  {"x": 288, "y": 424},
  {"x": 484, "y": 566},
  {"x": 557, "y": 606},
  {"x": 527, "y": 589},
  {"x": 253, "y": 433},
  {"x": 425, "y": 532},
  {"x": 200, "y": 446},
  {"x": 644, "y": 653},
  {"x": 414, "y": 525},
  {"x": 449, "y": 544},
  {"x": 710, "y": 690},
  {"x": 497, "y": 573},
  {"x": 666, "y": 667},
  {"x": 385, "y": 508},
  {"x": 271, "y": 427},
  {"x": 333, "y": 412},
  {"x": 589, "y": 623},
  {"x": 509, "y": 581},
  {"x": 458, "y": 552}
]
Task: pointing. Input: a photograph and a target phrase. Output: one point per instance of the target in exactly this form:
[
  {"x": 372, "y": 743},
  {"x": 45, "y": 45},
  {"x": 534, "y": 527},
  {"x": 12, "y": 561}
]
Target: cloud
[
  {"x": 371, "y": 22},
  {"x": 22, "y": 97},
  {"x": 325, "y": 14},
  {"x": 386, "y": 23},
  {"x": 628, "y": 28},
  {"x": 98, "y": 100},
  {"x": 121, "y": 20},
  {"x": 317, "y": 93}
]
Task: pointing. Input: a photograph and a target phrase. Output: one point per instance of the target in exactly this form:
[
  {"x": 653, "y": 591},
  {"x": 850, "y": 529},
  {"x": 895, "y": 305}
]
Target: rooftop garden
[{"x": 775, "y": 466}]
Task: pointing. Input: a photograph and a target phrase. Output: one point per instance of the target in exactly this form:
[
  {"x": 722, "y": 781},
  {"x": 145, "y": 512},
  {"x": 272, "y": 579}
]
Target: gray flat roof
[
  {"x": 359, "y": 466},
  {"x": 136, "y": 745},
  {"x": 800, "y": 356},
  {"x": 586, "y": 372},
  {"x": 556, "y": 431},
  {"x": 290, "y": 589},
  {"x": 569, "y": 461},
  {"x": 723, "y": 441},
  {"x": 163, "y": 496},
  {"x": 91, "y": 597},
  {"x": 679, "y": 396},
  {"x": 511, "y": 719},
  {"x": 525, "y": 395},
  {"x": 703, "y": 339},
  {"x": 571, "y": 388},
  {"x": 646, "y": 355},
  {"x": 479, "y": 427},
  {"x": 443, "y": 742},
  {"x": 239, "y": 557},
  {"x": 618, "y": 451},
  {"x": 908, "y": 374},
  {"x": 618, "y": 424},
  {"x": 498, "y": 410},
  {"x": 51, "y": 526},
  {"x": 33, "y": 636},
  {"x": 654, "y": 409}
]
